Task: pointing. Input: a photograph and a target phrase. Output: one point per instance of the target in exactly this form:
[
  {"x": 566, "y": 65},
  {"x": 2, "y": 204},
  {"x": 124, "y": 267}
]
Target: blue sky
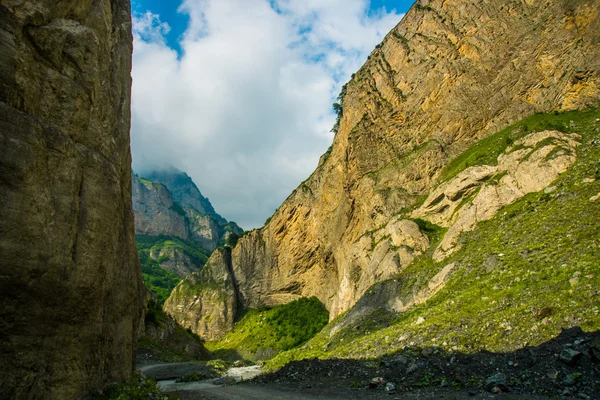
[
  {"x": 238, "y": 93},
  {"x": 178, "y": 21}
]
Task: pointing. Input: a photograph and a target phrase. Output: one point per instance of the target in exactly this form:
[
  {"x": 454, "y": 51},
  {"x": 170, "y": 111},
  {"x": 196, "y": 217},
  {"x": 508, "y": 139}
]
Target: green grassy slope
[
  {"x": 272, "y": 330},
  {"x": 157, "y": 280},
  {"x": 519, "y": 278}
]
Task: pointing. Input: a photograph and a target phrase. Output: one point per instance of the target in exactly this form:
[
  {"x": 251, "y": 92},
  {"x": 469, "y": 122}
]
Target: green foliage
[
  {"x": 157, "y": 280},
  {"x": 339, "y": 108},
  {"x": 177, "y": 208},
  {"x": 487, "y": 150},
  {"x": 155, "y": 314},
  {"x": 278, "y": 328},
  {"x": 137, "y": 388},
  {"x": 434, "y": 232}
]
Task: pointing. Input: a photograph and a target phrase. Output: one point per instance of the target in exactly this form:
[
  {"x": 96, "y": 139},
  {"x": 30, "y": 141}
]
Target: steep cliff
[
  {"x": 155, "y": 211},
  {"x": 167, "y": 202},
  {"x": 206, "y": 301},
  {"x": 70, "y": 287},
  {"x": 450, "y": 74}
]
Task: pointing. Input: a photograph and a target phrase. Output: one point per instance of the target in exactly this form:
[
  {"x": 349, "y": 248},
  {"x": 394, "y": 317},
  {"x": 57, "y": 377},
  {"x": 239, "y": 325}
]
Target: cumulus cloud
[{"x": 245, "y": 109}]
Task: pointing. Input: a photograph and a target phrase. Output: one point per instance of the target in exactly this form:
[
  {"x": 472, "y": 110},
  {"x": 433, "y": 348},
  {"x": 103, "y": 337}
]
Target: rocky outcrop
[
  {"x": 206, "y": 301},
  {"x": 155, "y": 212},
  {"x": 448, "y": 75},
  {"x": 70, "y": 288},
  {"x": 478, "y": 193},
  {"x": 175, "y": 260},
  {"x": 169, "y": 203}
]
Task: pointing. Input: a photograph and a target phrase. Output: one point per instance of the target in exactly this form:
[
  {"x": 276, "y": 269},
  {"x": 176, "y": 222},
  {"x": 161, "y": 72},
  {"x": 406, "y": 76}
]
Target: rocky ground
[{"x": 568, "y": 366}]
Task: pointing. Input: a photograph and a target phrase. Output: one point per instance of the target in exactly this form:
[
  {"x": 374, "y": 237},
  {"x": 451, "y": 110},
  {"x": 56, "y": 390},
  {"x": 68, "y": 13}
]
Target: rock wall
[
  {"x": 155, "y": 212},
  {"x": 169, "y": 203},
  {"x": 449, "y": 74},
  {"x": 70, "y": 287},
  {"x": 206, "y": 301}
]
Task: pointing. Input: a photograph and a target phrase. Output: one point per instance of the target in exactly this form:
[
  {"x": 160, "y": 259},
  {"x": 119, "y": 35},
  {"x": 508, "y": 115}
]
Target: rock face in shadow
[
  {"x": 448, "y": 75},
  {"x": 206, "y": 301},
  {"x": 70, "y": 287}
]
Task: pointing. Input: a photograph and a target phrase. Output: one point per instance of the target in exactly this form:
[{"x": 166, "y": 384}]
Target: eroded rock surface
[
  {"x": 169, "y": 203},
  {"x": 449, "y": 74},
  {"x": 206, "y": 301},
  {"x": 478, "y": 193},
  {"x": 70, "y": 286}
]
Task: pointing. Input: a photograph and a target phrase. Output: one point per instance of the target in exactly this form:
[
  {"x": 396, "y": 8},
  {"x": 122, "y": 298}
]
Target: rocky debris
[
  {"x": 534, "y": 371},
  {"x": 595, "y": 198},
  {"x": 206, "y": 301},
  {"x": 390, "y": 387},
  {"x": 496, "y": 383},
  {"x": 377, "y": 382},
  {"x": 570, "y": 356},
  {"x": 71, "y": 294}
]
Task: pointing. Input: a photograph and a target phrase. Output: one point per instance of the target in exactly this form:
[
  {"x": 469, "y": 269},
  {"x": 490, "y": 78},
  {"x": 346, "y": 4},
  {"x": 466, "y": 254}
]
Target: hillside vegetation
[
  {"x": 518, "y": 279},
  {"x": 260, "y": 334},
  {"x": 158, "y": 280}
]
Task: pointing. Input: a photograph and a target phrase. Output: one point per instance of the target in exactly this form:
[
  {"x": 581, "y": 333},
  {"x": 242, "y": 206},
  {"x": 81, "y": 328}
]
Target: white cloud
[{"x": 246, "y": 109}]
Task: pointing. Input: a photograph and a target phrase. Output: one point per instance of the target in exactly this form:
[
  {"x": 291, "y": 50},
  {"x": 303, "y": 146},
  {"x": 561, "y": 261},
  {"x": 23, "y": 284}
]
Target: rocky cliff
[
  {"x": 449, "y": 75},
  {"x": 70, "y": 287},
  {"x": 168, "y": 202},
  {"x": 206, "y": 301}
]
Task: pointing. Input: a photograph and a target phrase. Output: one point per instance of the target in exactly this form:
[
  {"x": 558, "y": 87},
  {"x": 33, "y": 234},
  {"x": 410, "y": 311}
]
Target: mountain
[
  {"x": 176, "y": 228},
  {"x": 167, "y": 202},
  {"x": 467, "y": 111},
  {"x": 71, "y": 295}
]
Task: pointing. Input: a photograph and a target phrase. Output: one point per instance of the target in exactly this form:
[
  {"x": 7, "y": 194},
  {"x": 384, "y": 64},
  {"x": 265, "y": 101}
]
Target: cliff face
[
  {"x": 155, "y": 212},
  {"x": 206, "y": 301},
  {"x": 169, "y": 203},
  {"x": 70, "y": 287},
  {"x": 448, "y": 75}
]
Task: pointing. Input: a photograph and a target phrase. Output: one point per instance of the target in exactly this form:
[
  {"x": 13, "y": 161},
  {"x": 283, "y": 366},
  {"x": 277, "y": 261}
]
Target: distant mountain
[
  {"x": 176, "y": 228},
  {"x": 167, "y": 202}
]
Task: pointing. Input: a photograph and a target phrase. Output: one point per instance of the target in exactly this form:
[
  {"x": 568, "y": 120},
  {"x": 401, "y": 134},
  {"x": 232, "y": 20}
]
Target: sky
[{"x": 239, "y": 93}]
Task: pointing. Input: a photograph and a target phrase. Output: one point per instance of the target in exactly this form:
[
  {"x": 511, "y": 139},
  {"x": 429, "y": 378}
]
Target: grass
[
  {"x": 487, "y": 150},
  {"x": 546, "y": 278},
  {"x": 158, "y": 280},
  {"x": 137, "y": 388},
  {"x": 260, "y": 334}
]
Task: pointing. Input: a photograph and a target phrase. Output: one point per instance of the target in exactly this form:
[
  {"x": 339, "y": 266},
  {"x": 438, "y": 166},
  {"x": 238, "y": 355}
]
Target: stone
[
  {"x": 595, "y": 198},
  {"x": 390, "y": 387},
  {"x": 71, "y": 295},
  {"x": 377, "y": 382},
  {"x": 168, "y": 202},
  {"x": 206, "y": 301},
  {"x": 496, "y": 383},
  {"x": 570, "y": 356},
  {"x": 594, "y": 349}
]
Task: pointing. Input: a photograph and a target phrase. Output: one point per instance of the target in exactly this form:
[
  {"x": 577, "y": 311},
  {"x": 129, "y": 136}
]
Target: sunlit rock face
[
  {"x": 450, "y": 73},
  {"x": 70, "y": 285}
]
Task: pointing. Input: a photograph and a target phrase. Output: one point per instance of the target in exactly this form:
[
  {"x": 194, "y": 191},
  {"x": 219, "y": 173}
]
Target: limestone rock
[
  {"x": 451, "y": 73},
  {"x": 175, "y": 260},
  {"x": 155, "y": 212},
  {"x": 206, "y": 301},
  {"x": 478, "y": 193},
  {"x": 71, "y": 295},
  {"x": 169, "y": 203}
]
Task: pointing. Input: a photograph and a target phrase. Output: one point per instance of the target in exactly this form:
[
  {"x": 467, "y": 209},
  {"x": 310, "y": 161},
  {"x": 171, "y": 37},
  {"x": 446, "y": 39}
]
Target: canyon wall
[{"x": 70, "y": 287}]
